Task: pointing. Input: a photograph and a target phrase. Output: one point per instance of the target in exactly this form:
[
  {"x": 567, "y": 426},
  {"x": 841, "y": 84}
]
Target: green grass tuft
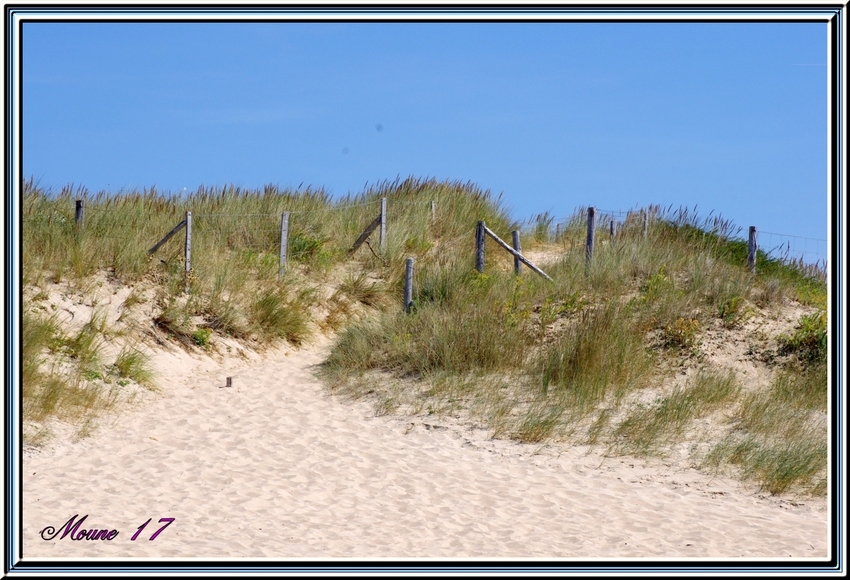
[{"x": 134, "y": 365}]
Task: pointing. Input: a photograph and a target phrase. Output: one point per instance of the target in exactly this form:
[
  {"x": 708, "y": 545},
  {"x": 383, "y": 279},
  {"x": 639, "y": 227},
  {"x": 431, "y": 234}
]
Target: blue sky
[{"x": 729, "y": 117}]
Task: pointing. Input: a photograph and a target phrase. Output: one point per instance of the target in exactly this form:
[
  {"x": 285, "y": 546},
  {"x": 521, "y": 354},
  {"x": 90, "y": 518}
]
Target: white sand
[{"x": 274, "y": 467}]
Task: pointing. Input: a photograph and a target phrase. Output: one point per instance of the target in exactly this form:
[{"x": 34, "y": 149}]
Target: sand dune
[{"x": 275, "y": 467}]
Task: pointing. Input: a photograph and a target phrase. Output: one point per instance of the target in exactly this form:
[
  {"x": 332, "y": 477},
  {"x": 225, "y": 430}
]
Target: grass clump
[
  {"x": 39, "y": 334},
  {"x": 780, "y": 436},
  {"x": 682, "y": 333},
  {"x": 777, "y": 465},
  {"x": 732, "y": 311},
  {"x": 651, "y": 429},
  {"x": 61, "y": 392},
  {"x": 601, "y": 352},
  {"x": 134, "y": 365},
  {"x": 273, "y": 316},
  {"x": 360, "y": 288}
]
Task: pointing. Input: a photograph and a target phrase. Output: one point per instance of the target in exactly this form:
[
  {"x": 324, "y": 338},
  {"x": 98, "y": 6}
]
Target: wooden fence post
[
  {"x": 613, "y": 230},
  {"x": 518, "y": 247},
  {"x": 284, "y": 242},
  {"x": 752, "y": 249},
  {"x": 645, "y": 218},
  {"x": 479, "y": 247},
  {"x": 591, "y": 234},
  {"x": 408, "y": 285},
  {"x": 187, "y": 249},
  {"x": 557, "y": 232},
  {"x": 80, "y": 213},
  {"x": 433, "y": 211},
  {"x": 383, "y": 223}
]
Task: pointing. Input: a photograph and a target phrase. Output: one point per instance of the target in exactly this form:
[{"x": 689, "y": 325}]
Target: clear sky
[{"x": 729, "y": 117}]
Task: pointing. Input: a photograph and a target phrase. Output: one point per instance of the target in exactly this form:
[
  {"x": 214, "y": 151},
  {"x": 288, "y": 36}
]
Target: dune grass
[
  {"x": 532, "y": 359},
  {"x": 656, "y": 428},
  {"x": 780, "y": 435},
  {"x": 49, "y": 391}
]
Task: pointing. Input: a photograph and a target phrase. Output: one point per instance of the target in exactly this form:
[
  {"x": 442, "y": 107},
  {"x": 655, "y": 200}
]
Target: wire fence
[{"x": 787, "y": 248}]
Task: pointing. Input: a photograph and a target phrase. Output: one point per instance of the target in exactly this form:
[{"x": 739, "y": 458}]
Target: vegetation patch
[{"x": 809, "y": 341}]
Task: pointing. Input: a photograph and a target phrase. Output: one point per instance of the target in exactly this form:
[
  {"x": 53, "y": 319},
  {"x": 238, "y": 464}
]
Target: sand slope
[{"x": 275, "y": 467}]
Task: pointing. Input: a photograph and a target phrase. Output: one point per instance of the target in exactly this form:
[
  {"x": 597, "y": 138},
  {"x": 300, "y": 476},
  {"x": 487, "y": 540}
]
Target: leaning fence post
[
  {"x": 645, "y": 219},
  {"x": 752, "y": 249},
  {"x": 80, "y": 213},
  {"x": 187, "y": 249},
  {"x": 284, "y": 242},
  {"x": 383, "y": 223},
  {"x": 591, "y": 233},
  {"x": 518, "y": 248},
  {"x": 479, "y": 247},
  {"x": 408, "y": 284}
]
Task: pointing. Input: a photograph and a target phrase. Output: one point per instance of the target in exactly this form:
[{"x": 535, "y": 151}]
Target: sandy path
[{"x": 274, "y": 467}]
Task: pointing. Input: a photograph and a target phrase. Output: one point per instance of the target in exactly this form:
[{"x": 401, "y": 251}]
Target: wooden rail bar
[
  {"x": 516, "y": 254},
  {"x": 167, "y": 237},
  {"x": 366, "y": 233}
]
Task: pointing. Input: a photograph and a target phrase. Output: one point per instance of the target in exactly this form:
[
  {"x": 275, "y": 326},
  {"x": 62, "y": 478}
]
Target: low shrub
[
  {"x": 809, "y": 341},
  {"x": 202, "y": 337}
]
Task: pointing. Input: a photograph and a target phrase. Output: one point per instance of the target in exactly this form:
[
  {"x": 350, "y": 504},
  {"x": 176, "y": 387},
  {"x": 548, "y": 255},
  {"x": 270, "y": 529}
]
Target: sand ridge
[{"x": 276, "y": 467}]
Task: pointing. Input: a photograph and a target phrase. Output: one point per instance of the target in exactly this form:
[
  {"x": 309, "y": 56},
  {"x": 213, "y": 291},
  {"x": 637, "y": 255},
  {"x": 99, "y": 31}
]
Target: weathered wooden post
[
  {"x": 479, "y": 247},
  {"x": 557, "y": 232},
  {"x": 383, "y": 223},
  {"x": 284, "y": 242},
  {"x": 187, "y": 250},
  {"x": 433, "y": 210},
  {"x": 645, "y": 218},
  {"x": 752, "y": 249},
  {"x": 408, "y": 285},
  {"x": 591, "y": 234},
  {"x": 613, "y": 230},
  {"x": 518, "y": 247},
  {"x": 80, "y": 213}
]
